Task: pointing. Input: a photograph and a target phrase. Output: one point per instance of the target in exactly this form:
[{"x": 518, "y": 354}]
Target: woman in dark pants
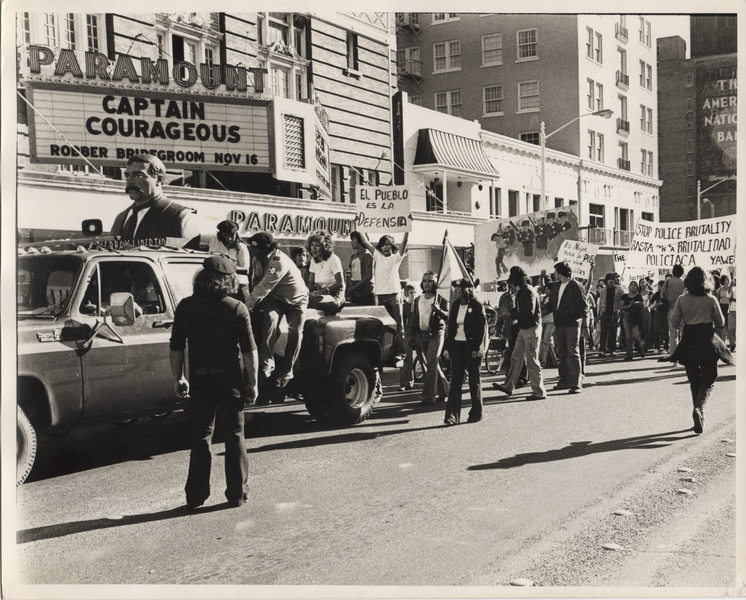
[
  {"x": 466, "y": 340},
  {"x": 699, "y": 349}
]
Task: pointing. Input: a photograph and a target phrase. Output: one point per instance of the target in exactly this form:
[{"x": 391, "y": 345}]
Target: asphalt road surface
[{"x": 528, "y": 495}]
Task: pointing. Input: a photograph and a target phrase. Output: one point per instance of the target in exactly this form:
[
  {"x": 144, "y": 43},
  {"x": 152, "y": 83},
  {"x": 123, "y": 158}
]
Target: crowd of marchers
[{"x": 246, "y": 288}]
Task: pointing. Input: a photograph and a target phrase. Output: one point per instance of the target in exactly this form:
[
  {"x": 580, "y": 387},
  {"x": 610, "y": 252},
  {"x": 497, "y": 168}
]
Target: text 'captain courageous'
[{"x": 159, "y": 108}]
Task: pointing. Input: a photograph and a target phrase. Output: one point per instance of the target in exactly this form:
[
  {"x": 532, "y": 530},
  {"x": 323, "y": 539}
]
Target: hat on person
[
  {"x": 525, "y": 222},
  {"x": 463, "y": 283},
  {"x": 227, "y": 226},
  {"x": 219, "y": 264},
  {"x": 261, "y": 239}
]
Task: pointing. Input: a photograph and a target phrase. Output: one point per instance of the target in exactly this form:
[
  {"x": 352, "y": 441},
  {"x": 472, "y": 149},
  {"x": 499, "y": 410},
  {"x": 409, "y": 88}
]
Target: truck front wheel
[
  {"x": 352, "y": 388},
  {"x": 25, "y": 446}
]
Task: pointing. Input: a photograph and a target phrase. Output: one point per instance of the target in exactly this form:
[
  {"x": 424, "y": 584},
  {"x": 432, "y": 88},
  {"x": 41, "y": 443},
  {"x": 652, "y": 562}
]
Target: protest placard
[
  {"x": 578, "y": 256},
  {"x": 707, "y": 243},
  {"x": 383, "y": 208}
]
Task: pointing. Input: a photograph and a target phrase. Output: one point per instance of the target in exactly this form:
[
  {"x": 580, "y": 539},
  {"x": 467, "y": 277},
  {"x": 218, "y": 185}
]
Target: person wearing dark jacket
[
  {"x": 428, "y": 325},
  {"x": 528, "y": 313},
  {"x": 570, "y": 307},
  {"x": 700, "y": 348},
  {"x": 466, "y": 341}
]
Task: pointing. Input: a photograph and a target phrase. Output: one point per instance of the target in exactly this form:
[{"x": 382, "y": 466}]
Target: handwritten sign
[
  {"x": 707, "y": 243},
  {"x": 578, "y": 256},
  {"x": 384, "y": 208}
]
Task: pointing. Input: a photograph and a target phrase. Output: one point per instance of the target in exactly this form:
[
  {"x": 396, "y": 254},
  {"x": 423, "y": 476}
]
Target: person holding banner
[
  {"x": 698, "y": 313},
  {"x": 570, "y": 308},
  {"x": 360, "y": 290},
  {"x": 466, "y": 342}
]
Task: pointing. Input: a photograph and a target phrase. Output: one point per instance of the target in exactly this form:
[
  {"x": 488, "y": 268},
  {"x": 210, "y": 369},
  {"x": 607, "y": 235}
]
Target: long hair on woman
[
  {"x": 698, "y": 281},
  {"x": 325, "y": 240},
  {"x": 387, "y": 239},
  {"x": 209, "y": 283}
]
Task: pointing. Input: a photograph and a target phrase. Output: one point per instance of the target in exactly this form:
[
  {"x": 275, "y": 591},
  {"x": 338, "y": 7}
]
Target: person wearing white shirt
[
  {"x": 326, "y": 276},
  {"x": 227, "y": 242}
]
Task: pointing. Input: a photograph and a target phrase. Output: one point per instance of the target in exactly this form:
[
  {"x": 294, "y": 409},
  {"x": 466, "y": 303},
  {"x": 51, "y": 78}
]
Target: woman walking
[
  {"x": 466, "y": 340},
  {"x": 699, "y": 348},
  {"x": 633, "y": 320}
]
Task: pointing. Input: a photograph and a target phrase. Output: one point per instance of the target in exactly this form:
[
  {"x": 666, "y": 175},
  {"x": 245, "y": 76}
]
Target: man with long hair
[{"x": 222, "y": 376}]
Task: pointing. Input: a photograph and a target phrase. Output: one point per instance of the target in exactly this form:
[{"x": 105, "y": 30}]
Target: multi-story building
[
  {"x": 537, "y": 78},
  {"x": 697, "y": 101}
]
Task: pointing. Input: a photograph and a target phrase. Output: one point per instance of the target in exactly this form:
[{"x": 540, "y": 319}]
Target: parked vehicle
[{"x": 93, "y": 334}]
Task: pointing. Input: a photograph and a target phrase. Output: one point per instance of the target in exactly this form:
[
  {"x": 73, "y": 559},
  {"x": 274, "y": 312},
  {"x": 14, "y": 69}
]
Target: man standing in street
[
  {"x": 227, "y": 242},
  {"x": 570, "y": 307},
  {"x": 672, "y": 289},
  {"x": 360, "y": 290},
  {"x": 222, "y": 376},
  {"x": 528, "y": 313},
  {"x": 281, "y": 292},
  {"x": 609, "y": 306},
  {"x": 152, "y": 215}
]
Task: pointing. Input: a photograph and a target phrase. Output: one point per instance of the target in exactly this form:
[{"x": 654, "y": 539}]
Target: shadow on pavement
[
  {"x": 47, "y": 532},
  {"x": 576, "y": 449}
]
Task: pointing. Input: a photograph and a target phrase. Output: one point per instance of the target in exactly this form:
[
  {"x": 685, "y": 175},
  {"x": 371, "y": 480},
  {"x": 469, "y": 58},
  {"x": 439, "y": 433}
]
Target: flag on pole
[{"x": 451, "y": 268}]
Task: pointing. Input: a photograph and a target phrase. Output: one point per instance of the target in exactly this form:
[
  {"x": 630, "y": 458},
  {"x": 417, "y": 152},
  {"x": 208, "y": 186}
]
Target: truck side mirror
[{"x": 122, "y": 308}]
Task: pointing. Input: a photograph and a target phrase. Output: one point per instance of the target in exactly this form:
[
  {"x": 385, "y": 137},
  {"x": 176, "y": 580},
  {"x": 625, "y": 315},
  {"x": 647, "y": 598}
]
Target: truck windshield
[{"x": 45, "y": 284}]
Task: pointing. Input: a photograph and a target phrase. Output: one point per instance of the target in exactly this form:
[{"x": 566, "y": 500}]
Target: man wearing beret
[
  {"x": 151, "y": 215},
  {"x": 227, "y": 242},
  {"x": 281, "y": 292},
  {"x": 222, "y": 376}
]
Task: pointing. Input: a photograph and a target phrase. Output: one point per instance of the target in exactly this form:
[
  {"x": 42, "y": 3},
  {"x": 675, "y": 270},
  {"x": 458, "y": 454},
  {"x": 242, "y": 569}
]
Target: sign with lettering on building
[
  {"x": 707, "y": 243},
  {"x": 383, "y": 208},
  {"x": 107, "y": 126}
]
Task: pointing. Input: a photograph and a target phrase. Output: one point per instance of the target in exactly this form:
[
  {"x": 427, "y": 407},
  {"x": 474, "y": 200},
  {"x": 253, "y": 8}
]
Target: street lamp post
[
  {"x": 701, "y": 191},
  {"x": 712, "y": 207},
  {"x": 543, "y": 137}
]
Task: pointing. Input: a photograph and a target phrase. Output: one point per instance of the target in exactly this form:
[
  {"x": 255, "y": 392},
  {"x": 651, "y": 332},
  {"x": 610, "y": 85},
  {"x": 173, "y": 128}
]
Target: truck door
[{"x": 134, "y": 374}]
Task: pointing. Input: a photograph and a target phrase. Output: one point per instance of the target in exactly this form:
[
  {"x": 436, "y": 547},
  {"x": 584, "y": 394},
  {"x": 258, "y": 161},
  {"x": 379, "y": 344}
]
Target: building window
[
  {"x": 528, "y": 96},
  {"x": 70, "y": 30},
  {"x": 642, "y": 73},
  {"x": 649, "y": 122},
  {"x": 495, "y": 201},
  {"x": 623, "y": 107},
  {"x": 352, "y": 47},
  {"x": 449, "y": 102},
  {"x": 492, "y": 49},
  {"x": 92, "y": 29},
  {"x": 512, "y": 203},
  {"x": 689, "y": 104},
  {"x": 689, "y": 125},
  {"x": 50, "y": 29},
  {"x": 689, "y": 190},
  {"x": 599, "y": 97},
  {"x": 527, "y": 44},
  {"x": 591, "y": 144},
  {"x": 649, "y": 78},
  {"x": 600, "y": 147},
  {"x": 493, "y": 100},
  {"x": 647, "y": 216},
  {"x": 532, "y": 137},
  {"x": 643, "y": 113},
  {"x": 589, "y": 42},
  {"x": 650, "y": 164},
  {"x": 447, "y": 56},
  {"x": 558, "y": 202},
  {"x": 596, "y": 215},
  {"x": 690, "y": 212},
  {"x": 599, "y": 49},
  {"x": 416, "y": 100},
  {"x": 279, "y": 81},
  {"x": 689, "y": 79},
  {"x": 277, "y": 28},
  {"x": 159, "y": 44},
  {"x": 648, "y": 36},
  {"x": 444, "y": 17},
  {"x": 642, "y": 30},
  {"x": 690, "y": 146},
  {"x": 26, "y": 28},
  {"x": 690, "y": 169},
  {"x": 644, "y": 164},
  {"x": 591, "y": 94}
]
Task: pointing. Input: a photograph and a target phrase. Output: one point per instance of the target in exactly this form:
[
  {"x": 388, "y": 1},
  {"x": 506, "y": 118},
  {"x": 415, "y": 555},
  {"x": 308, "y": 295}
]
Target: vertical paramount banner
[
  {"x": 531, "y": 241},
  {"x": 707, "y": 243},
  {"x": 383, "y": 209}
]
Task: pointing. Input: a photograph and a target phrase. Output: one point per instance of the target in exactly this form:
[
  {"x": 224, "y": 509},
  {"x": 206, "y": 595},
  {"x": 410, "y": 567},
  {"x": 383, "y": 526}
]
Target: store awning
[{"x": 441, "y": 150}]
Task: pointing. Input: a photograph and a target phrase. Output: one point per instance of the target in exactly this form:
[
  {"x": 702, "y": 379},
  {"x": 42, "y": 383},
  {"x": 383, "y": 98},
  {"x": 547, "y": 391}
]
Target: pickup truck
[{"x": 93, "y": 333}]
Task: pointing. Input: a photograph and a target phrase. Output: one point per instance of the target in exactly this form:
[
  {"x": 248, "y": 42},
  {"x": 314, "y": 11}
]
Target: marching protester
[
  {"x": 387, "y": 257},
  {"x": 326, "y": 277},
  {"x": 429, "y": 315},
  {"x": 570, "y": 307},
  {"x": 724, "y": 294},
  {"x": 465, "y": 344},
  {"x": 281, "y": 292},
  {"x": 698, "y": 314},
  {"x": 222, "y": 376},
  {"x": 151, "y": 215},
  {"x": 659, "y": 320},
  {"x": 633, "y": 320},
  {"x": 609, "y": 305},
  {"x": 411, "y": 344},
  {"x": 360, "y": 290},
  {"x": 227, "y": 242},
  {"x": 527, "y": 311},
  {"x": 673, "y": 287}
]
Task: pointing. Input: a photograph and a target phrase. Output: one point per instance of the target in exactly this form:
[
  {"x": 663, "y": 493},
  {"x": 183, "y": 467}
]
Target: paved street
[{"x": 529, "y": 493}]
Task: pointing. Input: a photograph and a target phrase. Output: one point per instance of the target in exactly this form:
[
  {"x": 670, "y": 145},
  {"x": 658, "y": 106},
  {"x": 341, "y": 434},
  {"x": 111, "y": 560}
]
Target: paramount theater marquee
[{"x": 109, "y": 112}]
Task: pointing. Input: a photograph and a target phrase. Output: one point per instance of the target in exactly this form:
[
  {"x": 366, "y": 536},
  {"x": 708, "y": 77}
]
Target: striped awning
[{"x": 452, "y": 152}]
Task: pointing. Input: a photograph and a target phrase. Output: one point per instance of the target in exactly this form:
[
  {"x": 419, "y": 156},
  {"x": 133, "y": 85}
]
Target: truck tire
[
  {"x": 351, "y": 388},
  {"x": 25, "y": 446}
]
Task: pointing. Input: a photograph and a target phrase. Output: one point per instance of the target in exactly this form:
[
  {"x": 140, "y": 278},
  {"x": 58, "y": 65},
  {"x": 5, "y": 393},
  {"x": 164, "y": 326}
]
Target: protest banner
[
  {"x": 531, "y": 241},
  {"x": 578, "y": 255},
  {"x": 384, "y": 208},
  {"x": 706, "y": 243}
]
